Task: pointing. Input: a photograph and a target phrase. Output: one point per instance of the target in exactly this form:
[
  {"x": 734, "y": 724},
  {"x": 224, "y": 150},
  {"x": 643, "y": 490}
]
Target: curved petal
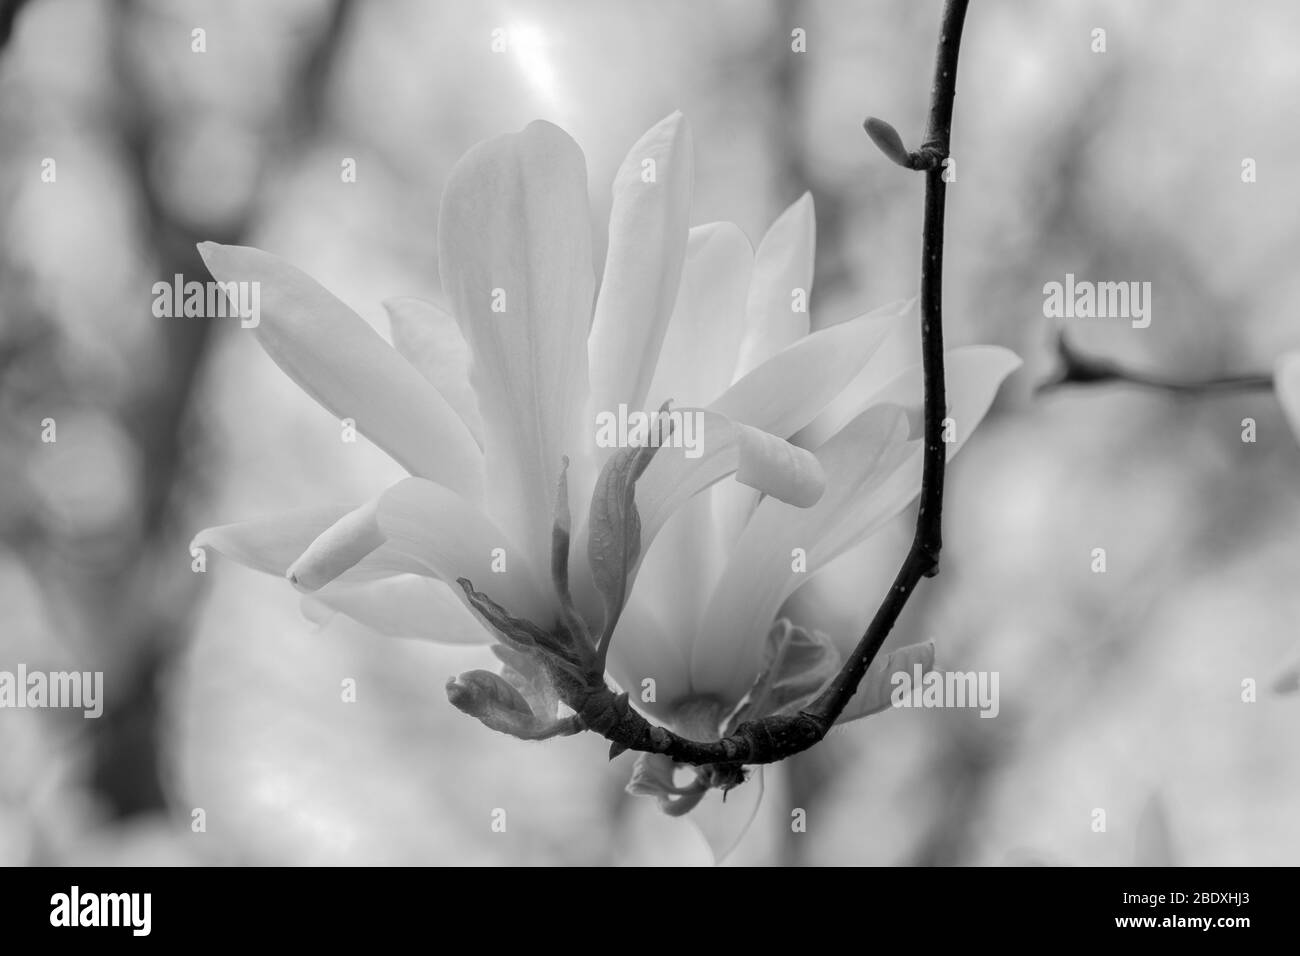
[
  {"x": 647, "y": 243},
  {"x": 825, "y": 366},
  {"x": 514, "y": 250},
  {"x": 678, "y": 574},
  {"x": 1287, "y": 383},
  {"x": 783, "y": 264},
  {"x": 384, "y": 562},
  {"x": 349, "y": 369},
  {"x": 695, "y": 367},
  {"x": 872, "y": 473},
  {"x": 875, "y": 693},
  {"x": 407, "y": 605},
  {"x": 974, "y": 373},
  {"x": 762, "y": 572},
  {"x": 336, "y": 549},
  {"x": 723, "y": 447},
  {"x": 788, "y": 390},
  {"x": 700, "y": 348},
  {"x": 270, "y": 544},
  {"x": 430, "y": 339},
  {"x": 452, "y": 539},
  {"x": 673, "y": 478},
  {"x": 643, "y": 649},
  {"x": 875, "y": 373},
  {"x": 724, "y": 819}
]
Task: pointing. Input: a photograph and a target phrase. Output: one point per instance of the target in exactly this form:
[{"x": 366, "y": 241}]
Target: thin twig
[
  {"x": 1080, "y": 369},
  {"x": 774, "y": 738},
  {"x": 923, "y": 557}
]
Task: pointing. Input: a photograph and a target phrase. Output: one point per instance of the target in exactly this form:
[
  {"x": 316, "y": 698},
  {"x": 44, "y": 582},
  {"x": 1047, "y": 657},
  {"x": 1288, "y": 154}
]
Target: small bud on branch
[{"x": 890, "y": 143}]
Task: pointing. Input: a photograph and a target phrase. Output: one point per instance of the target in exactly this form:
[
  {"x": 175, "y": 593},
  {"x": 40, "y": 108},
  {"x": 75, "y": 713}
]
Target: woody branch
[{"x": 772, "y": 739}]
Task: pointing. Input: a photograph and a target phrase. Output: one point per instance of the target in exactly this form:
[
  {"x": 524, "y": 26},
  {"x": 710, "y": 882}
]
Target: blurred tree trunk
[{"x": 152, "y": 582}]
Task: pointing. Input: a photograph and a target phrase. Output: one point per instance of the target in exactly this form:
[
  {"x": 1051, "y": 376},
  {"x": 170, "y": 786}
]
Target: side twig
[{"x": 1079, "y": 369}]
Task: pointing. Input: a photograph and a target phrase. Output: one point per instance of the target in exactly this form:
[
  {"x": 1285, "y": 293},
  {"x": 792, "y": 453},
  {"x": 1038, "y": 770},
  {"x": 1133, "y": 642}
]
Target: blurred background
[{"x": 1120, "y": 691}]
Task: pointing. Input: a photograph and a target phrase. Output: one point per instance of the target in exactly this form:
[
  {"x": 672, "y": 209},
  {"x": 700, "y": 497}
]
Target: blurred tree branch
[
  {"x": 1078, "y": 368},
  {"x": 8, "y": 15},
  {"x": 126, "y": 762}
]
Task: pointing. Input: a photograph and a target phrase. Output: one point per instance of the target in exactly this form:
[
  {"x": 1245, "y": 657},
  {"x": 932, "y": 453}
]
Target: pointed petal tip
[
  {"x": 215, "y": 253},
  {"x": 224, "y": 540},
  {"x": 676, "y": 120},
  {"x": 803, "y": 207},
  {"x": 208, "y": 251},
  {"x": 1011, "y": 359}
]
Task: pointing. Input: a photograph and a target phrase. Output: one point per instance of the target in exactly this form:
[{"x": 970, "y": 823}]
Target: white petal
[
  {"x": 872, "y": 473},
  {"x": 339, "y": 547},
  {"x": 761, "y": 573},
  {"x": 699, "y": 352},
  {"x": 273, "y": 544},
  {"x": 875, "y": 693},
  {"x": 695, "y": 366},
  {"x": 431, "y": 340},
  {"x": 722, "y": 447},
  {"x": 788, "y": 390},
  {"x": 796, "y": 391},
  {"x": 774, "y": 467},
  {"x": 901, "y": 349},
  {"x": 452, "y": 539},
  {"x": 973, "y": 375},
  {"x": 270, "y": 544},
  {"x": 783, "y": 264},
  {"x": 348, "y": 368},
  {"x": 407, "y": 605},
  {"x": 724, "y": 822},
  {"x": 678, "y": 574},
  {"x": 643, "y": 268},
  {"x": 643, "y": 649},
  {"x": 673, "y": 479},
  {"x": 514, "y": 234}
]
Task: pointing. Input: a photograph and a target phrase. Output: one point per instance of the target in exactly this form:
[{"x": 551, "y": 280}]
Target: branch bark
[
  {"x": 774, "y": 738},
  {"x": 923, "y": 557}
]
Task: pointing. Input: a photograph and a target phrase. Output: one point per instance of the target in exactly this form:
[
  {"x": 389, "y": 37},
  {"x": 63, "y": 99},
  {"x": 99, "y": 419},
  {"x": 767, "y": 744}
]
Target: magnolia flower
[{"x": 677, "y": 558}]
